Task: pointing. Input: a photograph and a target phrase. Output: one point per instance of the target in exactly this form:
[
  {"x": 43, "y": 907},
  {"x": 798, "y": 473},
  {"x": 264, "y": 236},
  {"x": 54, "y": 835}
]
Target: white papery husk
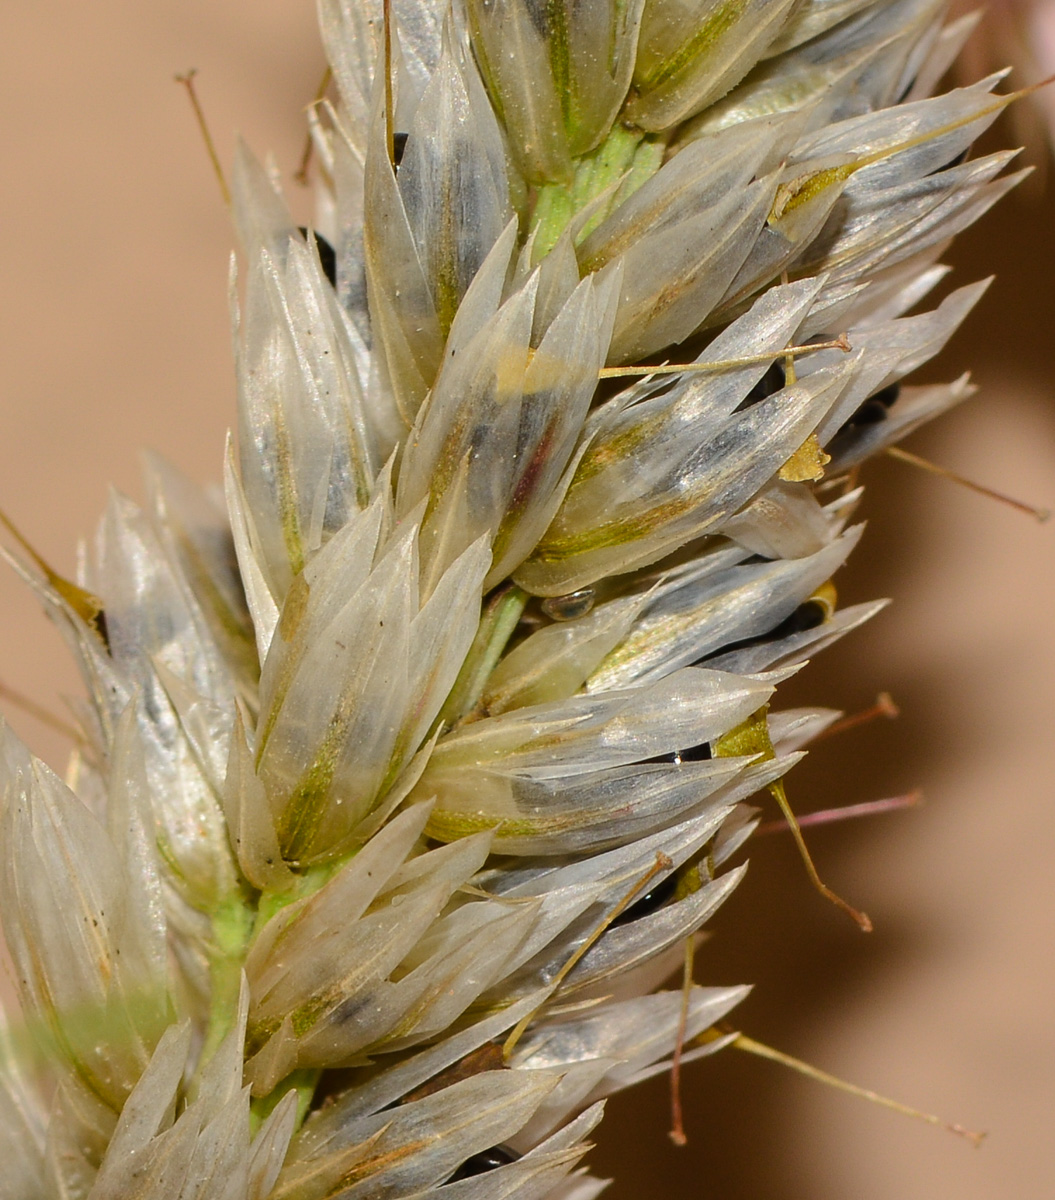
[{"x": 379, "y": 743}]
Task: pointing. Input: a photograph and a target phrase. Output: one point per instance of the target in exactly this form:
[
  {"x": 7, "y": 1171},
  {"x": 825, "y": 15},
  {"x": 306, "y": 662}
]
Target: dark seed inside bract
[
  {"x": 808, "y": 615},
  {"x": 770, "y": 383},
  {"x": 650, "y": 902},
  {"x": 875, "y": 407},
  {"x": 700, "y": 753},
  {"x": 327, "y": 255},
  {"x": 485, "y": 1160}
]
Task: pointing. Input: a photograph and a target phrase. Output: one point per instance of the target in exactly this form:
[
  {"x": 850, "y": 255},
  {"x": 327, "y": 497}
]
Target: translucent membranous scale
[
  {"x": 808, "y": 615},
  {"x": 482, "y": 637},
  {"x": 871, "y": 411}
]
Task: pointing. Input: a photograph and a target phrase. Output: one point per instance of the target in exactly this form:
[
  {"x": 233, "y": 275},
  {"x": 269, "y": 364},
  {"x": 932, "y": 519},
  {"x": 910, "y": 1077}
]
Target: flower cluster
[{"x": 413, "y": 761}]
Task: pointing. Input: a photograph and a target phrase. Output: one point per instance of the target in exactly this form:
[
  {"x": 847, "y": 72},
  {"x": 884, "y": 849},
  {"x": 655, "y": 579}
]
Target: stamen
[
  {"x": 662, "y": 863},
  {"x": 846, "y": 812},
  {"x": 300, "y": 175},
  {"x": 1032, "y": 510},
  {"x": 187, "y": 79},
  {"x": 677, "y": 1125},
  {"x": 864, "y": 922},
  {"x": 750, "y": 1046},
  {"x": 41, "y": 714},
  {"x": 883, "y": 707},
  {"x": 790, "y": 378},
  {"x": 752, "y": 737},
  {"x": 725, "y": 364}
]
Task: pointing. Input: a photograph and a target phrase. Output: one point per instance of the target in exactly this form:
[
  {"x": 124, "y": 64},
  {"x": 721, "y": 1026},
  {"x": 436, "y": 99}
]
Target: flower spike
[{"x": 414, "y": 767}]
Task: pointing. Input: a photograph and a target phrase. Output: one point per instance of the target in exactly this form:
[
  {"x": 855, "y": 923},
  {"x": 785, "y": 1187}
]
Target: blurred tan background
[{"x": 114, "y": 336}]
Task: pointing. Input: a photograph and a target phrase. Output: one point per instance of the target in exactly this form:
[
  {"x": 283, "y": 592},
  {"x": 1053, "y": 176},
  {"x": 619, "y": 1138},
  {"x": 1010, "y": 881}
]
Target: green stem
[
  {"x": 625, "y": 155},
  {"x": 303, "y": 1082},
  {"x": 232, "y": 925},
  {"x": 497, "y": 625},
  {"x": 306, "y": 883}
]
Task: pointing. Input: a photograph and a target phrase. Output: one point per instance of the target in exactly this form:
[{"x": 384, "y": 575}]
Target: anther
[
  {"x": 677, "y": 1123},
  {"x": 85, "y": 604}
]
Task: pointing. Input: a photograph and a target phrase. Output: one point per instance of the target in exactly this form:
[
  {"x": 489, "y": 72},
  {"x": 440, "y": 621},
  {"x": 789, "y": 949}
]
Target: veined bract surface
[{"x": 358, "y": 793}]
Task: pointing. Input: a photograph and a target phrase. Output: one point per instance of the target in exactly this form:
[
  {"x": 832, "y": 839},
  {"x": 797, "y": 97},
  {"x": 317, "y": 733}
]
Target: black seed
[
  {"x": 650, "y": 902},
  {"x": 870, "y": 413},
  {"x": 348, "y": 1010},
  {"x": 774, "y": 380},
  {"x": 770, "y": 383},
  {"x": 700, "y": 753},
  {"x": 327, "y": 255},
  {"x": 808, "y": 615},
  {"x": 874, "y": 408},
  {"x": 887, "y": 396},
  {"x": 399, "y": 146},
  {"x": 486, "y": 1160}
]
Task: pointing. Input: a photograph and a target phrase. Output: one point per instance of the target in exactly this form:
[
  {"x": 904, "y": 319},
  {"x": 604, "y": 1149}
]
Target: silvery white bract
[{"x": 415, "y": 756}]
